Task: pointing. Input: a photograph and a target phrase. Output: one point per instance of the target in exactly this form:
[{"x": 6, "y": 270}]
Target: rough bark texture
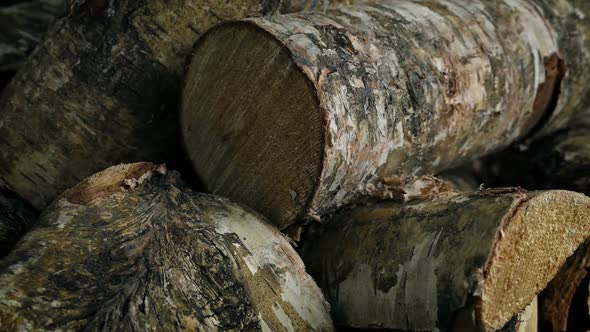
[
  {"x": 22, "y": 25},
  {"x": 560, "y": 161},
  {"x": 458, "y": 260},
  {"x": 132, "y": 249},
  {"x": 400, "y": 88},
  {"x": 16, "y": 218},
  {"x": 556, "y": 301},
  {"x": 570, "y": 20},
  {"x": 102, "y": 88}
]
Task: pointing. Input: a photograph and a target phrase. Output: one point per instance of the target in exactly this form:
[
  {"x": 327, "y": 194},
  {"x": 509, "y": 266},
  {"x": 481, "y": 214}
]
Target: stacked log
[
  {"x": 337, "y": 123},
  {"x": 131, "y": 248},
  {"x": 460, "y": 261},
  {"x": 102, "y": 88},
  {"x": 296, "y": 115}
]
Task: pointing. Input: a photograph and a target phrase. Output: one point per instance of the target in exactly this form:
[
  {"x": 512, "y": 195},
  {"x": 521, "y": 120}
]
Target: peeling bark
[
  {"x": 296, "y": 114},
  {"x": 571, "y": 21},
  {"x": 132, "y": 249},
  {"x": 102, "y": 88},
  {"x": 16, "y": 218},
  {"x": 454, "y": 261}
]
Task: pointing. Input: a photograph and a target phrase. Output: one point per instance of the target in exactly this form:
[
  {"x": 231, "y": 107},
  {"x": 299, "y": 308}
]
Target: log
[
  {"x": 453, "y": 261},
  {"x": 16, "y": 218},
  {"x": 560, "y": 160},
  {"x": 295, "y": 115},
  {"x": 102, "y": 89},
  {"x": 23, "y": 23},
  {"x": 132, "y": 249}
]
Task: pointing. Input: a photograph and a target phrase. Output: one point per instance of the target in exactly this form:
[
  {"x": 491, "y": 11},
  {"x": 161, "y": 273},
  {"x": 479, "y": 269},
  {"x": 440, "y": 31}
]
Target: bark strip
[
  {"x": 132, "y": 249},
  {"x": 453, "y": 261},
  {"x": 365, "y": 92}
]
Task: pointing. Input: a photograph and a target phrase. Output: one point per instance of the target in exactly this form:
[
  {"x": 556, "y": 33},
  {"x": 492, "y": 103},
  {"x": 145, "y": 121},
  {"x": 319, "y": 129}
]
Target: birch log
[
  {"x": 454, "y": 261},
  {"x": 131, "y": 249},
  {"x": 16, "y": 218},
  {"x": 296, "y": 114},
  {"x": 102, "y": 88}
]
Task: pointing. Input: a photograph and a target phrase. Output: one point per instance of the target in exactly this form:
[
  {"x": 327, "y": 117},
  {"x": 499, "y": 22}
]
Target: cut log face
[
  {"x": 350, "y": 96},
  {"x": 102, "y": 89},
  {"x": 16, "y": 217},
  {"x": 458, "y": 260},
  {"x": 132, "y": 249}
]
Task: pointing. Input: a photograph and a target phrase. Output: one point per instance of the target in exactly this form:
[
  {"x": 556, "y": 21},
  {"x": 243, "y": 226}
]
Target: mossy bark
[
  {"x": 132, "y": 249},
  {"x": 469, "y": 261},
  {"x": 102, "y": 88},
  {"x": 406, "y": 88},
  {"x": 16, "y": 218}
]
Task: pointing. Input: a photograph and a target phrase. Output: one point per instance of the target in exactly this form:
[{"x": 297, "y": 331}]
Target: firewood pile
[{"x": 295, "y": 165}]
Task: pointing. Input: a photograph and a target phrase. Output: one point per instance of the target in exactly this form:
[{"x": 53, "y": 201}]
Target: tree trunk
[
  {"x": 16, "y": 218},
  {"x": 456, "y": 260},
  {"x": 132, "y": 249},
  {"x": 294, "y": 114},
  {"x": 102, "y": 88}
]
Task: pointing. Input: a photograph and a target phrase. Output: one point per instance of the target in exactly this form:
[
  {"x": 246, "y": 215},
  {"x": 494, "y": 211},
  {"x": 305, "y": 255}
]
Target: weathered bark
[
  {"x": 132, "y": 249},
  {"x": 457, "y": 260},
  {"x": 556, "y": 301},
  {"x": 570, "y": 20},
  {"x": 295, "y": 114},
  {"x": 558, "y": 161},
  {"x": 22, "y": 25},
  {"x": 16, "y": 218},
  {"x": 102, "y": 88}
]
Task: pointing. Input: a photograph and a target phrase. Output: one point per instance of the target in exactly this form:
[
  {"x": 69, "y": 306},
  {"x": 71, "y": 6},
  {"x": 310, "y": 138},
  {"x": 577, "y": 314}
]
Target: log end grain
[
  {"x": 533, "y": 243},
  {"x": 259, "y": 136}
]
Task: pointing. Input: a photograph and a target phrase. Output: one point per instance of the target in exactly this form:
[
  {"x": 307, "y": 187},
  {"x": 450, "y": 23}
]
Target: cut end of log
[
  {"x": 265, "y": 122},
  {"x": 113, "y": 179},
  {"x": 532, "y": 245}
]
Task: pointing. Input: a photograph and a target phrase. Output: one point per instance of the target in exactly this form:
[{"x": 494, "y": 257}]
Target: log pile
[{"x": 346, "y": 164}]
